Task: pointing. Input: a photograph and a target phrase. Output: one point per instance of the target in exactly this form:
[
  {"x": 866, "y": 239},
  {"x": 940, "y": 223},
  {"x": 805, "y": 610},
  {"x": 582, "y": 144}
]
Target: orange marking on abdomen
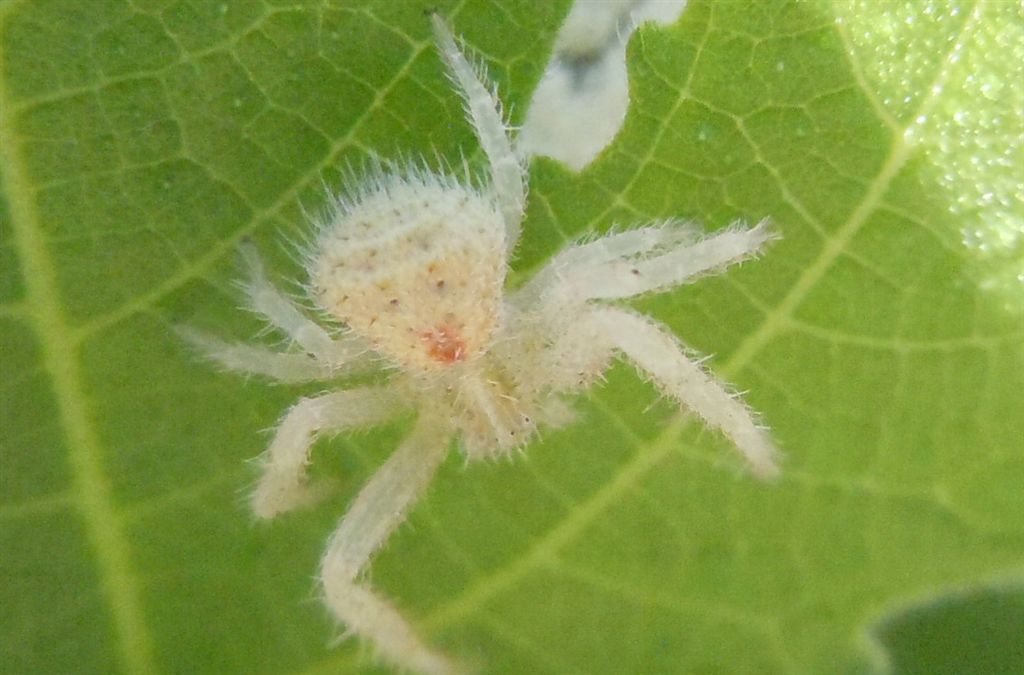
[{"x": 444, "y": 344}]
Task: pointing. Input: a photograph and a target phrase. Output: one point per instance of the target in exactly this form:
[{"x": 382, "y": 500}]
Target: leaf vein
[{"x": 93, "y": 493}]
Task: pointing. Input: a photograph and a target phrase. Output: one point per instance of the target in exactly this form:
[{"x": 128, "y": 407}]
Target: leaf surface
[{"x": 882, "y": 339}]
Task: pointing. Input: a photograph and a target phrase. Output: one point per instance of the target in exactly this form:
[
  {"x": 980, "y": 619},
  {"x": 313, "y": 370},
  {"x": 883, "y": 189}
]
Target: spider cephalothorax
[{"x": 411, "y": 265}]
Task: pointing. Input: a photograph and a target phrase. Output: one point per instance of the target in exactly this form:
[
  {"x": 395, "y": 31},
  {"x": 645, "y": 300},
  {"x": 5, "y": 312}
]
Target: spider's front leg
[
  {"x": 661, "y": 356},
  {"x": 283, "y": 485},
  {"x": 592, "y": 274},
  {"x": 380, "y": 507}
]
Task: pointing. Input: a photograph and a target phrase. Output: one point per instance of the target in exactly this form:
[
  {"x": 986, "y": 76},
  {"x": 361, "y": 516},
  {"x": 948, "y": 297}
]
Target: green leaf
[
  {"x": 882, "y": 339},
  {"x": 984, "y": 625}
]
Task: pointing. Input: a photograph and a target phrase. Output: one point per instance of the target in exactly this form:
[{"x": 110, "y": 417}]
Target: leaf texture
[{"x": 882, "y": 339}]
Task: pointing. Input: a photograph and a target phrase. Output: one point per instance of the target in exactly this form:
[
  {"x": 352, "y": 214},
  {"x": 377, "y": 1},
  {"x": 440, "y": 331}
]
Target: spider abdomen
[{"x": 415, "y": 265}]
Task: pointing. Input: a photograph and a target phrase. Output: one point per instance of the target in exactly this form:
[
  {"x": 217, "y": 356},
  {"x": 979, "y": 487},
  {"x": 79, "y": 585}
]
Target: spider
[{"x": 409, "y": 269}]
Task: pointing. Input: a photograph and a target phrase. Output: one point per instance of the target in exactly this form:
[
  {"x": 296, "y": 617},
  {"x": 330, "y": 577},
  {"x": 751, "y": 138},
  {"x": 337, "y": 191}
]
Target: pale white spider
[{"x": 411, "y": 265}]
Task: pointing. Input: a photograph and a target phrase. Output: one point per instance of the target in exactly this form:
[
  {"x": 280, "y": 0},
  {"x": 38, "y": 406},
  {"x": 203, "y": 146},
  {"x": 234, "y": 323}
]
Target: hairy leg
[
  {"x": 508, "y": 176},
  {"x": 380, "y": 507},
  {"x": 593, "y": 277},
  {"x": 283, "y": 485},
  {"x": 283, "y": 314},
  {"x": 243, "y": 358},
  {"x": 661, "y": 356},
  {"x": 579, "y": 258}
]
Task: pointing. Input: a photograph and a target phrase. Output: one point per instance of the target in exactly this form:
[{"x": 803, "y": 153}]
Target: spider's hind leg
[
  {"x": 508, "y": 175},
  {"x": 660, "y": 355},
  {"x": 282, "y": 313},
  {"x": 243, "y": 358},
  {"x": 380, "y": 507}
]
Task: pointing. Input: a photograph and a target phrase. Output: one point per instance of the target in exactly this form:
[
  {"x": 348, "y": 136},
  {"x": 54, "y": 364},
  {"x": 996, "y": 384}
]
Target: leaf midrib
[{"x": 93, "y": 494}]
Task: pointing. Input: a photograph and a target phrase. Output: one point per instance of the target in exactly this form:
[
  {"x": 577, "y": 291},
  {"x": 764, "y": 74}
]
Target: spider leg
[
  {"x": 380, "y": 507},
  {"x": 282, "y": 313},
  {"x": 283, "y": 485},
  {"x": 592, "y": 276},
  {"x": 243, "y": 358},
  {"x": 579, "y": 257},
  {"x": 661, "y": 356},
  {"x": 508, "y": 176}
]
